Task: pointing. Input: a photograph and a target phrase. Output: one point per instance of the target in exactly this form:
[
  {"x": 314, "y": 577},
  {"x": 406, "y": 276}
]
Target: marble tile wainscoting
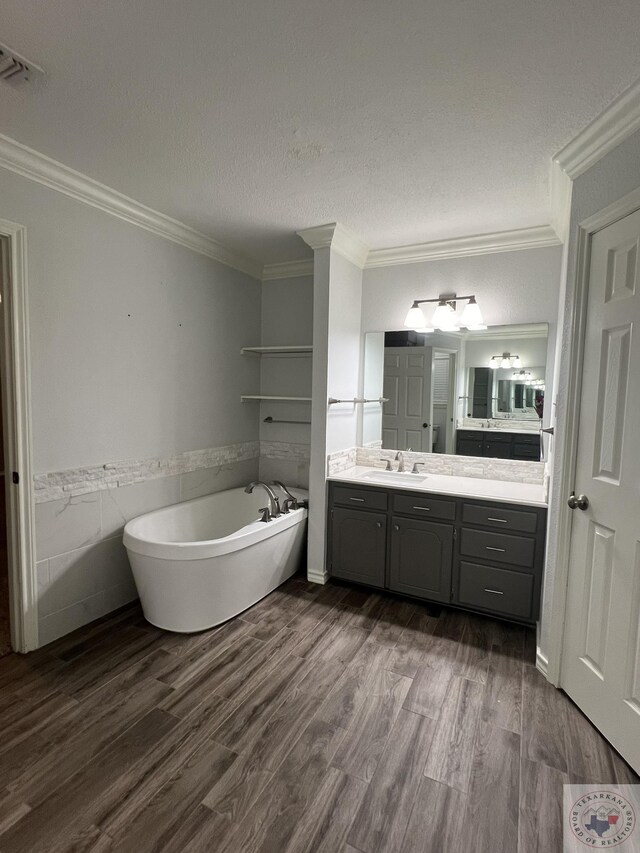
[
  {"x": 508, "y": 470},
  {"x": 83, "y": 570},
  {"x": 285, "y": 460}
]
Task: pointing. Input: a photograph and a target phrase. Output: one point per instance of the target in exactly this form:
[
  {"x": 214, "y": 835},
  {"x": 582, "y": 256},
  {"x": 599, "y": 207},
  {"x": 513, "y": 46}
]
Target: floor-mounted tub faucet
[{"x": 274, "y": 503}]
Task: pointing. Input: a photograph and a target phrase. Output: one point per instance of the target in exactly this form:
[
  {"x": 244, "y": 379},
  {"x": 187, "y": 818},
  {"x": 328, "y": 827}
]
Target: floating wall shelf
[
  {"x": 302, "y": 349},
  {"x": 246, "y": 397}
]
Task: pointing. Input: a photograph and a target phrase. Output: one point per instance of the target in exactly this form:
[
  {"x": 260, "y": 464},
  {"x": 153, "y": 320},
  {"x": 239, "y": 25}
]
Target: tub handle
[{"x": 266, "y": 513}]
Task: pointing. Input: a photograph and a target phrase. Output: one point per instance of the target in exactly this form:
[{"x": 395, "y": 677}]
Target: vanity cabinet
[
  {"x": 420, "y": 558},
  {"x": 358, "y": 545},
  {"x": 498, "y": 444},
  {"x": 479, "y": 555}
]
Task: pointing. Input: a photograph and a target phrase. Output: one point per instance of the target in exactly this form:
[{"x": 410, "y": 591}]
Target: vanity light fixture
[
  {"x": 521, "y": 376},
  {"x": 506, "y": 361},
  {"x": 445, "y": 317}
]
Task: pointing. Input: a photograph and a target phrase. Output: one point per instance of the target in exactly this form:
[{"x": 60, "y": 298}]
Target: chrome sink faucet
[
  {"x": 400, "y": 461},
  {"x": 274, "y": 503}
]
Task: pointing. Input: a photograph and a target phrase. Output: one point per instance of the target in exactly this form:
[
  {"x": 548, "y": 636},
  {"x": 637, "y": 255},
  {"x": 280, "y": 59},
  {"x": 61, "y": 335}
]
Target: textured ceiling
[{"x": 407, "y": 121}]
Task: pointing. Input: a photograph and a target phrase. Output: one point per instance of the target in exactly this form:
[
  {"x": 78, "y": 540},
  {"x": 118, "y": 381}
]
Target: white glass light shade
[
  {"x": 516, "y": 361},
  {"x": 494, "y": 364},
  {"x": 415, "y": 318},
  {"x": 505, "y": 363},
  {"x": 471, "y": 315},
  {"x": 444, "y": 318},
  {"x": 477, "y": 328}
]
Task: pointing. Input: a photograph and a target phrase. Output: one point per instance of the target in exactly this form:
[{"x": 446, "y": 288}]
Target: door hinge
[
  {"x": 15, "y": 477},
  {"x": 455, "y": 532}
]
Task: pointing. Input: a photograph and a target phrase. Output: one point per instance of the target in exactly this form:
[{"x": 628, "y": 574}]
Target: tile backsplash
[{"x": 509, "y": 470}]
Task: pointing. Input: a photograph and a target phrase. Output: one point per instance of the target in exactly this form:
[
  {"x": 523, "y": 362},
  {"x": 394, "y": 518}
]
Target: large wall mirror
[{"x": 453, "y": 392}]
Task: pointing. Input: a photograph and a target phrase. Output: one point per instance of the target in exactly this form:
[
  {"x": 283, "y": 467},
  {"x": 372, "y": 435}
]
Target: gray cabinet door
[
  {"x": 358, "y": 546},
  {"x": 421, "y": 557}
]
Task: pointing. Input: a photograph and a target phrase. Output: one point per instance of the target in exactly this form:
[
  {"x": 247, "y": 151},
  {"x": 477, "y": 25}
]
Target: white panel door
[
  {"x": 406, "y": 418},
  {"x": 601, "y": 655}
]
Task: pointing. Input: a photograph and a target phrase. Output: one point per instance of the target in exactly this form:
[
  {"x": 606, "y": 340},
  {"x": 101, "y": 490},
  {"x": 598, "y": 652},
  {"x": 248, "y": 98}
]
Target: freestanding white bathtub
[{"x": 199, "y": 563}]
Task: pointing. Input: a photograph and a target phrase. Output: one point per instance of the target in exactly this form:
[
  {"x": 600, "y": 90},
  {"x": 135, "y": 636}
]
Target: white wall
[
  {"x": 607, "y": 181},
  {"x": 135, "y": 353},
  {"x": 336, "y": 373}
]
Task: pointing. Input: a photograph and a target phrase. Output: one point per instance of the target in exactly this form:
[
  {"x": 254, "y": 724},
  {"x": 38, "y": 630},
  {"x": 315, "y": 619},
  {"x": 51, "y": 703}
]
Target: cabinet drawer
[
  {"x": 497, "y": 547},
  {"x": 424, "y": 507},
  {"x": 527, "y": 451},
  {"x": 525, "y": 438},
  {"x": 470, "y": 434},
  {"x": 498, "y": 437},
  {"x": 360, "y": 498},
  {"x": 500, "y": 590},
  {"x": 501, "y": 519}
]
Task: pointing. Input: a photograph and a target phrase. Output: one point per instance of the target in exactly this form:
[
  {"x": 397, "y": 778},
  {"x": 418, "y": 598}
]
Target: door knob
[
  {"x": 578, "y": 501},
  {"x": 424, "y": 426}
]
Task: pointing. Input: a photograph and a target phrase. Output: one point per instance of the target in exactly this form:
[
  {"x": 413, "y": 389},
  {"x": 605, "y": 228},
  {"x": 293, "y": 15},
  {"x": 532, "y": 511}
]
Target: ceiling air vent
[{"x": 15, "y": 69}]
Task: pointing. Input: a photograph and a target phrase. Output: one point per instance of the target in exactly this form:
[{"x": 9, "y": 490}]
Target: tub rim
[{"x": 202, "y": 549}]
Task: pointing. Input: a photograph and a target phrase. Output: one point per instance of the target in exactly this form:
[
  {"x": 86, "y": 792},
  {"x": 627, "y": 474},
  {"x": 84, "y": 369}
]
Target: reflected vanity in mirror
[{"x": 476, "y": 393}]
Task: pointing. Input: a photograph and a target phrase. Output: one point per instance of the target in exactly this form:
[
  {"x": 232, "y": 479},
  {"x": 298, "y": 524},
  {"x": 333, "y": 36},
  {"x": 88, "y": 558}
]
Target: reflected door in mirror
[{"x": 406, "y": 417}]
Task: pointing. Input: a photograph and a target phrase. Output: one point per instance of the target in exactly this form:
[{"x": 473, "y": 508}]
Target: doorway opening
[{"x": 18, "y": 578}]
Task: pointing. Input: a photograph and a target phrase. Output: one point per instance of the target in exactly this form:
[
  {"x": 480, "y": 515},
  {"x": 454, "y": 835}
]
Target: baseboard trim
[
  {"x": 542, "y": 662},
  {"x": 317, "y": 576}
]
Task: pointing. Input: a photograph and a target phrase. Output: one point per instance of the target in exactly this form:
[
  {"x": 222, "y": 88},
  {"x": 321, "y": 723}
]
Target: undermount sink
[{"x": 401, "y": 478}]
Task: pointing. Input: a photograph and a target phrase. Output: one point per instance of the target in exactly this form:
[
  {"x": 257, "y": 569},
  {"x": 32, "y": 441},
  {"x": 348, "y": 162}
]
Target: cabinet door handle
[
  {"x": 494, "y": 591},
  {"x": 422, "y": 508},
  {"x": 359, "y": 500},
  {"x": 396, "y": 527},
  {"x": 501, "y": 520},
  {"x": 491, "y": 548},
  {"x": 378, "y": 524}
]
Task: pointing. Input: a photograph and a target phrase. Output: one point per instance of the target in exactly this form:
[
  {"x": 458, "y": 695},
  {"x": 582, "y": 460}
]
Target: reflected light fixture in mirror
[
  {"x": 506, "y": 361},
  {"x": 445, "y": 317}
]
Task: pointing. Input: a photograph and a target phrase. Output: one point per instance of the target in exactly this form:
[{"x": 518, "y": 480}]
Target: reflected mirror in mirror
[{"x": 477, "y": 393}]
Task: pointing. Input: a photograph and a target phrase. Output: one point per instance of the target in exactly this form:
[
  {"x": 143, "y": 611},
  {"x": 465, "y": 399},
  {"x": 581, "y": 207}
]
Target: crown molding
[
  {"x": 614, "y": 124},
  {"x": 537, "y": 237},
  {"x": 50, "y": 173},
  {"x": 340, "y": 239},
  {"x": 288, "y": 269}
]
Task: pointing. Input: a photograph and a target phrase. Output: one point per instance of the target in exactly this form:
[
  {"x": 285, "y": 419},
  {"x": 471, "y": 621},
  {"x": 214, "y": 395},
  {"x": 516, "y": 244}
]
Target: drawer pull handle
[
  {"x": 423, "y": 508},
  {"x": 359, "y": 500},
  {"x": 491, "y": 548},
  {"x": 501, "y": 520},
  {"x": 494, "y": 591}
]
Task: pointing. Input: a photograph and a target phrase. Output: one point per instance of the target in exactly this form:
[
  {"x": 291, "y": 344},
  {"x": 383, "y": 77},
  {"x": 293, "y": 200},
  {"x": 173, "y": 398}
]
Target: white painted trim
[
  {"x": 537, "y": 237},
  {"x": 317, "y": 577},
  {"x": 561, "y": 191},
  {"x": 287, "y": 269},
  {"x": 567, "y": 449},
  {"x": 56, "y": 176},
  {"x": 614, "y": 124},
  {"x": 16, "y": 394},
  {"x": 338, "y": 238},
  {"x": 542, "y": 663}
]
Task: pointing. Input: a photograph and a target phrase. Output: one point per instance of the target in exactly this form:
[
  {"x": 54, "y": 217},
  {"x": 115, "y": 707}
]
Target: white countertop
[
  {"x": 499, "y": 429},
  {"x": 464, "y": 487}
]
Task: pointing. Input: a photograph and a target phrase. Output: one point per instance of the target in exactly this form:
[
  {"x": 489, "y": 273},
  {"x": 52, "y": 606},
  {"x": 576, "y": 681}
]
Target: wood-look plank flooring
[{"x": 322, "y": 720}]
